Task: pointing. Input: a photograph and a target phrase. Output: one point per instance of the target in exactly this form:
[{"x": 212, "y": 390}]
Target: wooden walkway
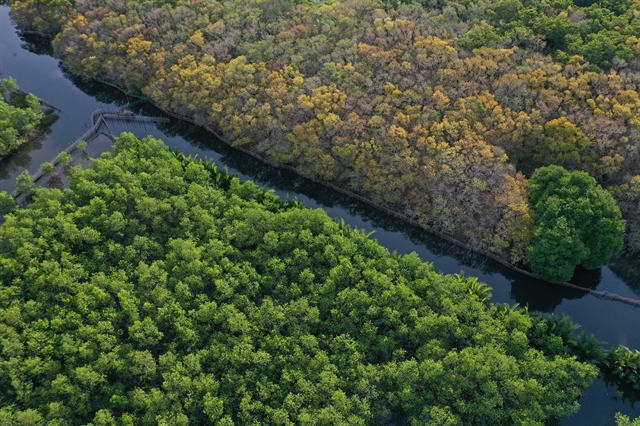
[{"x": 98, "y": 119}]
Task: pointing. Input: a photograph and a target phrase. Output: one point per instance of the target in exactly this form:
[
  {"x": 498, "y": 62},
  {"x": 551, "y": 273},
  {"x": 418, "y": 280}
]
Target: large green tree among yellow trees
[
  {"x": 437, "y": 110},
  {"x": 578, "y": 222}
]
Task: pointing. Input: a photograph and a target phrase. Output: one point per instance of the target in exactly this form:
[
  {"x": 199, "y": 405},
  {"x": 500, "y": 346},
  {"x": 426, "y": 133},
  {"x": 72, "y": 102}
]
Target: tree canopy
[
  {"x": 622, "y": 420},
  {"x": 16, "y": 121},
  {"x": 158, "y": 290},
  {"x": 437, "y": 110},
  {"x": 578, "y": 223}
]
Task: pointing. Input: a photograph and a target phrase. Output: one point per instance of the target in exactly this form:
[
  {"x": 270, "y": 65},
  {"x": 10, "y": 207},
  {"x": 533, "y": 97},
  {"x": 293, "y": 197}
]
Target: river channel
[{"x": 29, "y": 61}]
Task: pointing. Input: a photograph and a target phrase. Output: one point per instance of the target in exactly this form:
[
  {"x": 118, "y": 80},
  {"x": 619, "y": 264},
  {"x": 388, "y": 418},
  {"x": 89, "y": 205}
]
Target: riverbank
[
  {"x": 99, "y": 117},
  {"x": 96, "y": 142},
  {"x": 24, "y": 123},
  {"x": 58, "y": 177},
  {"x": 505, "y": 235},
  {"x": 95, "y": 147},
  {"x": 397, "y": 214},
  {"x": 616, "y": 323}
]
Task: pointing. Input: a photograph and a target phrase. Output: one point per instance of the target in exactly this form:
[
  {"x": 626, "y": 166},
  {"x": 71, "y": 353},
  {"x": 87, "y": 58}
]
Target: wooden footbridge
[{"x": 99, "y": 119}]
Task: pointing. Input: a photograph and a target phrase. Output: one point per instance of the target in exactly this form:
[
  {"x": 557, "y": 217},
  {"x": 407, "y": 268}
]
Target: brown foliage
[{"x": 377, "y": 101}]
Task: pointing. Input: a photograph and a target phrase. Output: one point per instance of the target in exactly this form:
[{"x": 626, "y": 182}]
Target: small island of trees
[{"x": 18, "y": 118}]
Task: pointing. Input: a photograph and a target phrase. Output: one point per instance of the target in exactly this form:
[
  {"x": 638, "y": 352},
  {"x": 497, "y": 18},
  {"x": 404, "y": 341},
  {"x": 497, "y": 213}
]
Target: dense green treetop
[
  {"x": 16, "y": 121},
  {"x": 622, "y": 420},
  {"x": 578, "y": 223},
  {"x": 158, "y": 291},
  {"x": 599, "y": 31}
]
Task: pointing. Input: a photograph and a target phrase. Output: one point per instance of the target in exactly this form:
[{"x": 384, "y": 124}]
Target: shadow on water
[
  {"x": 623, "y": 392},
  {"x": 613, "y": 322},
  {"x": 100, "y": 92},
  {"x": 21, "y": 158},
  {"x": 538, "y": 295},
  {"x": 626, "y": 266},
  {"x": 602, "y": 399},
  {"x": 287, "y": 181},
  {"x": 35, "y": 44},
  {"x": 545, "y": 297}
]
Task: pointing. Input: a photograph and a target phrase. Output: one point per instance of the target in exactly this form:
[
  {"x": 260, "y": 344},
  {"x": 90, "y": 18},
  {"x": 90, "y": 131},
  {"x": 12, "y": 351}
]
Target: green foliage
[
  {"x": 554, "y": 334},
  {"x": 383, "y": 101},
  {"x": 481, "y": 36},
  {"x": 556, "y": 250},
  {"x": 160, "y": 290},
  {"x": 46, "y": 168},
  {"x": 8, "y": 85},
  {"x": 64, "y": 158},
  {"x": 597, "y": 31},
  {"x": 564, "y": 145},
  {"x": 220, "y": 178},
  {"x": 507, "y": 10},
  {"x": 7, "y": 202},
  {"x": 622, "y": 420},
  {"x": 578, "y": 223},
  {"x": 428, "y": 108},
  {"x": 25, "y": 183},
  {"x": 589, "y": 349},
  {"x": 475, "y": 287},
  {"x": 43, "y": 19},
  {"x": 624, "y": 364},
  {"x": 602, "y": 47},
  {"x": 19, "y": 120},
  {"x": 82, "y": 145},
  {"x": 18, "y": 99}
]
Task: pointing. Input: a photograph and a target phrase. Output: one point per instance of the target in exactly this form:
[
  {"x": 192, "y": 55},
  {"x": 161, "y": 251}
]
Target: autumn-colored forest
[{"x": 439, "y": 110}]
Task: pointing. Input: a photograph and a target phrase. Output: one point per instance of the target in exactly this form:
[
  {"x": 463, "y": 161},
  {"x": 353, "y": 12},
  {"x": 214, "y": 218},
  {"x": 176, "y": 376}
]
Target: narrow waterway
[{"x": 28, "y": 60}]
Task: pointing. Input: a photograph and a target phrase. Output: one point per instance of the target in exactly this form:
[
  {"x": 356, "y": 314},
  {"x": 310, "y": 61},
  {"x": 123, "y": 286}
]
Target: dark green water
[{"x": 28, "y": 60}]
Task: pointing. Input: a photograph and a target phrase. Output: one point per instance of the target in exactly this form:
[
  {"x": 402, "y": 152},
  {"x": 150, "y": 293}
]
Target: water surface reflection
[{"x": 39, "y": 73}]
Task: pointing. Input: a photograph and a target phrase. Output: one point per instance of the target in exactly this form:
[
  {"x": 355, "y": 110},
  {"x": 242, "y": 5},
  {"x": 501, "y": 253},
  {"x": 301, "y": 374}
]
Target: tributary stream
[{"x": 29, "y": 61}]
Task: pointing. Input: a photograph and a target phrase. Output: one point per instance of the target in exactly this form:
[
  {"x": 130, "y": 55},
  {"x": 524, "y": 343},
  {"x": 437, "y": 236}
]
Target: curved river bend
[{"x": 28, "y": 60}]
